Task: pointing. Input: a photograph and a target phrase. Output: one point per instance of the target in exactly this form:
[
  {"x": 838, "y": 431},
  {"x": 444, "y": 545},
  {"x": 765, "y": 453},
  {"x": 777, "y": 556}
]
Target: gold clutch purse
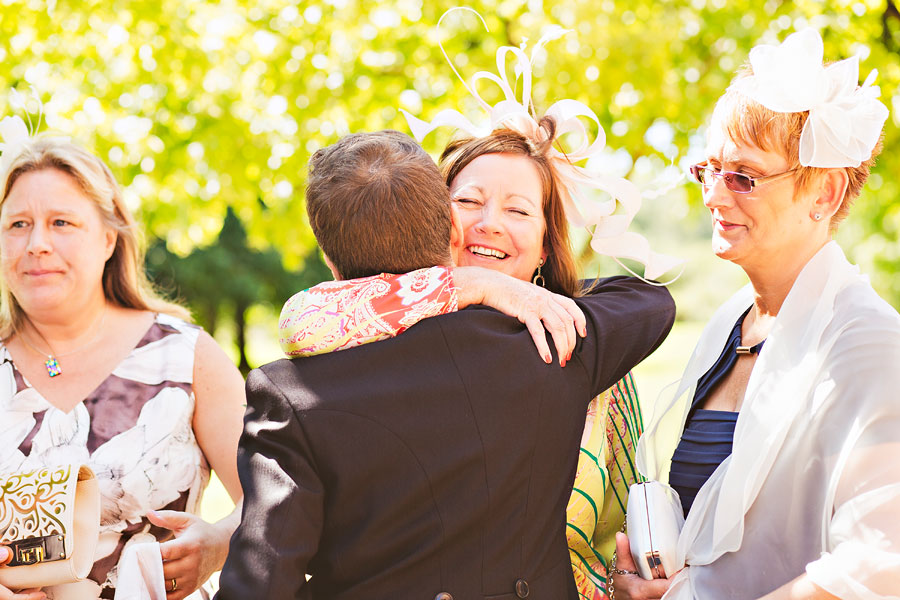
[{"x": 50, "y": 519}]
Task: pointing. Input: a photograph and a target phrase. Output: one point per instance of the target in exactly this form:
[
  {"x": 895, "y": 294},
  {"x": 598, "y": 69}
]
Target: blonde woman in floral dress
[{"x": 96, "y": 369}]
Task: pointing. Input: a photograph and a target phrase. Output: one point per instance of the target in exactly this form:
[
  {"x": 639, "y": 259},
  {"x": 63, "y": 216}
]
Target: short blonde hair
[
  {"x": 125, "y": 281},
  {"x": 749, "y": 122}
]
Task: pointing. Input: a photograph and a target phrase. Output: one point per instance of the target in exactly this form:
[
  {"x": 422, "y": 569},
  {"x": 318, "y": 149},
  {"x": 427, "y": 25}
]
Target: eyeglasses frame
[{"x": 754, "y": 181}]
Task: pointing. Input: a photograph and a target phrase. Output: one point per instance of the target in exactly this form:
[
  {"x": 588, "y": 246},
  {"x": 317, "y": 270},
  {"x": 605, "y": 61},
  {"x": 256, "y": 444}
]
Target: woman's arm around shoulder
[
  {"x": 325, "y": 318},
  {"x": 328, "y": 317}
]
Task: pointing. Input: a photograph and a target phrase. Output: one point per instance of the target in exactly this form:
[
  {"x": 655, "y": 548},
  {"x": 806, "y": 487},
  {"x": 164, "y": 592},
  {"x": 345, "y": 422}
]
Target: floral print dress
[{"x": 134, "y": 431}]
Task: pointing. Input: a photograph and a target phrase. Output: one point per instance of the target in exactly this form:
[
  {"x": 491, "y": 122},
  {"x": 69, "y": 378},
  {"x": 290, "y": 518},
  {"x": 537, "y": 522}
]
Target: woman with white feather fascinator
[
  {"x": 788, "y": 407},
  {"x": 516, "y": 193}
]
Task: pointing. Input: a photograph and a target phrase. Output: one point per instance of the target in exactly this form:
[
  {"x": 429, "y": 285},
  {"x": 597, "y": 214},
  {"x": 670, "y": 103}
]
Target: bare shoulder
[
  {"x": 207, "y": 345},
  {"x": 212, "y": 367}
]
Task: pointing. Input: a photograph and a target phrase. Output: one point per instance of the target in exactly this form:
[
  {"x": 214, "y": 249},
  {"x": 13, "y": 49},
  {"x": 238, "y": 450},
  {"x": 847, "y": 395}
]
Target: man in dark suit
[{"x": 434, "y": 465}]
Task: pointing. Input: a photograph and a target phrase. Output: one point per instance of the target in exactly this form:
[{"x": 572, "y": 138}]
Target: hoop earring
[{"x": 538, "y": 279}]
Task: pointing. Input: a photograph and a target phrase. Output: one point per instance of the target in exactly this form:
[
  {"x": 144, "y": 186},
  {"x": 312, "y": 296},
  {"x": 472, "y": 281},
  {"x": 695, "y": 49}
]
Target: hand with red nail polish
[{"x": 540, "y": 310}]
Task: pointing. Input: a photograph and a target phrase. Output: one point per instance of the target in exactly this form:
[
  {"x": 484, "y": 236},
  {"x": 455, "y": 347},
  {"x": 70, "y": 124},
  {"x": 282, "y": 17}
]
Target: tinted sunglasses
[{"x": 736, "y": 182}]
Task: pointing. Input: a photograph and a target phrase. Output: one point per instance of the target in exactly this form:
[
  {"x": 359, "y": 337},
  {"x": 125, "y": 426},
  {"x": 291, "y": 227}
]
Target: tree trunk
[
  {"x": 240, "y": 322},
  {"x": 211, "y": 313},
  {"x": 887, "y": 35}
]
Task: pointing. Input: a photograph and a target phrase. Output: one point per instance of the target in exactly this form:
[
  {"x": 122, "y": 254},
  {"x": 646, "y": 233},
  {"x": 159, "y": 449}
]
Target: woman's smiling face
[
  {"x": 500, "y": 206},
  {"x": 771, "y": 224}
]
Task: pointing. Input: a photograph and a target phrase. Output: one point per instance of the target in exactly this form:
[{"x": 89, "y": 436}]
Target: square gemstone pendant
[{"x": 53, "y": 368}]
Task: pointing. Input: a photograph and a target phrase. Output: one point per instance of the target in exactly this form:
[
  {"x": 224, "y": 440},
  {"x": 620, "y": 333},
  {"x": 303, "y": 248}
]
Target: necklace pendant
[{"x": 53, "y": 368}]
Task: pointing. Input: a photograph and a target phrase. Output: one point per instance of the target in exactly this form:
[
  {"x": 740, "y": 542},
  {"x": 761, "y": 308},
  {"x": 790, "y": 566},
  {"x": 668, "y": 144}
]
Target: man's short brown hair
[{"x": 377, "y": 204}]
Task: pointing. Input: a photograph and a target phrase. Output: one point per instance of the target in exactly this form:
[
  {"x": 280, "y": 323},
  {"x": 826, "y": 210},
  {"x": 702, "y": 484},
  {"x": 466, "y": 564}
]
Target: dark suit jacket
[{"x": 439, "y": 461}]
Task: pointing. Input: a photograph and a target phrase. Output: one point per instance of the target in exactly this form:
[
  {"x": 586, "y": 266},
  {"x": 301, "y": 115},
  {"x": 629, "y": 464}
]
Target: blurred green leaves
[{"x": 199, "y": 105}]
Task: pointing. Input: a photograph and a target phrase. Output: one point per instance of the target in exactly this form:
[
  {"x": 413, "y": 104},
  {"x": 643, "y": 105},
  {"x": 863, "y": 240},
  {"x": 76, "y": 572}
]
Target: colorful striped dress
[
  {"x": 336, "y": 315},
  {"x": 596, "y": 509}
]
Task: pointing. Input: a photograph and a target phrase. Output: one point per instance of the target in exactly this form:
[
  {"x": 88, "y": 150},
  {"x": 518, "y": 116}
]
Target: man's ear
[
  {"x": 457, "y": 237},
  {"x": 330, "y": 265},
  {"x": 830, "y": 193}
]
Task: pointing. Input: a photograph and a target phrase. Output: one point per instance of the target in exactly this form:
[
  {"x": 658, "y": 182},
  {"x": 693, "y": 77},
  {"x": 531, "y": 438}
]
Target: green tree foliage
[
  {"x": 202, "y": 105},
  {"x": 228, "y": 277}
]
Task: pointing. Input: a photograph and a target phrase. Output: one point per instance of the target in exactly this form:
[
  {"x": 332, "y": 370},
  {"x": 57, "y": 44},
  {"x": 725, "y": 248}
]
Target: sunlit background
[{"x": 207, "y": 112}]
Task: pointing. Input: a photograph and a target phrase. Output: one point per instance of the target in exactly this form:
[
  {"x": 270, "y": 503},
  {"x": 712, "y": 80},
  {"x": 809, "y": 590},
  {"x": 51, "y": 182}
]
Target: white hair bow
[
  {"x": 845, "y": 120},
  {"x": 15, "y": 134},
  {"x": 610, "y": 235}
]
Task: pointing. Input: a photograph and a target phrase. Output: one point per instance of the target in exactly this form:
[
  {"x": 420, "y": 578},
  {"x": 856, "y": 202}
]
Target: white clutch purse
[
  {"x": 50, "y": 519},
  {"x": 654, "y": 520}
]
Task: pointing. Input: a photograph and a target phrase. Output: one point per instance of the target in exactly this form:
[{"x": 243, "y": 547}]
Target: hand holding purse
[
  {"x": 654, "y": 520},
  {"x": 50, "y": 520}
]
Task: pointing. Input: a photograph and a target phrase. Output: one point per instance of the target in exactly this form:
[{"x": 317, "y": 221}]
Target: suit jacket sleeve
[
  {"x": 283, "y": 501},
  {"x": 627, "y": 320}
]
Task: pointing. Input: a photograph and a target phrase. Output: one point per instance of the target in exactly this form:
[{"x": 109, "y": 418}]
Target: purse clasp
[
  {"x": 654, "y": 561},
  {"x": 35, "y": 550}
]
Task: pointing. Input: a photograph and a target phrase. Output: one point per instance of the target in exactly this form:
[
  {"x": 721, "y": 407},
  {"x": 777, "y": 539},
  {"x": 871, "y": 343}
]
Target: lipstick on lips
[
  {"x": 40, "y": 272},
  {"x": 723, "y": 225}
]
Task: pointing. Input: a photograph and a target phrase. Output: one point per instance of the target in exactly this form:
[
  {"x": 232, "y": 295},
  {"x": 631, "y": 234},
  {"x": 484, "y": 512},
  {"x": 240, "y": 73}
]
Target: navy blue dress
[{"x": 708, "y": 434}]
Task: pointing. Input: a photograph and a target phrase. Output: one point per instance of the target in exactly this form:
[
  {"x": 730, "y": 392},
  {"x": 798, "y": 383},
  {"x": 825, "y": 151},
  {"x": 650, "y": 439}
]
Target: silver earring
[
  {"x": 538, "y": 279},
  {"x": 817, "y": 216}
]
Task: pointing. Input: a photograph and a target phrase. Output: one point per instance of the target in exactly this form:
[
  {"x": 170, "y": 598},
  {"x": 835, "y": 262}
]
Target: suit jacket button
[
  {"x": 443, "y": 596},
  {"x": 521, "y": 588}
]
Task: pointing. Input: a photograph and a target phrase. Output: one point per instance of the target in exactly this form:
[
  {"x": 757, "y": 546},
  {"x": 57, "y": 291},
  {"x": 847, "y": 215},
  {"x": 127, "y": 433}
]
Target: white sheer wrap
[{"x": 813, "y": 482}]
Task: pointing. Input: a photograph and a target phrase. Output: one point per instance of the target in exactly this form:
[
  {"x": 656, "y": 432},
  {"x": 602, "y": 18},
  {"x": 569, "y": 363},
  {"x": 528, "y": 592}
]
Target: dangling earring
[{"x": 538, "y": 279}]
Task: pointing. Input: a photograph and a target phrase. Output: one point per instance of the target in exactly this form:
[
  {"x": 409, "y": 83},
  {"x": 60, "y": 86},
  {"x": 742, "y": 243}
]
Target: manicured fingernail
[
  {"x": 569, "y": 356},
  {"x": 584, "y": 332},
  {"x": 548, "y": 359}
]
